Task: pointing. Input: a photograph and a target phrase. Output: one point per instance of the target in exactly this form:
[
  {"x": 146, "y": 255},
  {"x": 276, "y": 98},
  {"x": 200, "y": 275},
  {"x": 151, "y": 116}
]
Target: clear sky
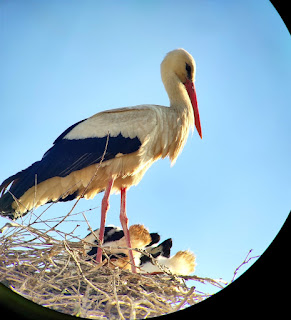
[{"x": 63, "y": 61}]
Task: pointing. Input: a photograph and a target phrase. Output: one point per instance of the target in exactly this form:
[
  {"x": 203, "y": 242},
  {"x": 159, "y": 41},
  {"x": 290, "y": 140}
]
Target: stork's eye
[{"x": 189, "y": 71}]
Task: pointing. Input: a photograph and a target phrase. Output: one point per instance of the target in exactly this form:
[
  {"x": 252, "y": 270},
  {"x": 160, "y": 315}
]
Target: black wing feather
[{"x": 63, "y": 158}]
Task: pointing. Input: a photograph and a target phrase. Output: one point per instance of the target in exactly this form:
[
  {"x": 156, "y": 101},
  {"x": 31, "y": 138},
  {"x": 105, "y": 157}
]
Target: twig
[
  {"x": 180, "y": 305},
  {"x": 214, "y": 282},
  {"x": 246, "y": 260},
  {"x": 72, "y": 254},
  {"x": 116, "y": 298}
]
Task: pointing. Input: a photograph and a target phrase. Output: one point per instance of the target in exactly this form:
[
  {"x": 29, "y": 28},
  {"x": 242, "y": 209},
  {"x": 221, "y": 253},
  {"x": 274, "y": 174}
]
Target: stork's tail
[
  {"x": 14, "y": 187},
  {"x": 7, "y": 198}
]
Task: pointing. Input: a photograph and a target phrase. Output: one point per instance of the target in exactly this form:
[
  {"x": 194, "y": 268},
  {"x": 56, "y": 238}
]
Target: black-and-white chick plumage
[{"x": 183, "y": 262}]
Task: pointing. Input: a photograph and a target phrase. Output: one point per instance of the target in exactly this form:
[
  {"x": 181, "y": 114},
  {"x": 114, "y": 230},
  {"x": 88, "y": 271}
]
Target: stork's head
[{"x": 179, "y": 66}]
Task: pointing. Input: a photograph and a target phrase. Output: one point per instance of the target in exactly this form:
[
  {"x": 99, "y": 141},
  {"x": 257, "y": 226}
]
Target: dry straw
[{"x": 57, "y": 274}]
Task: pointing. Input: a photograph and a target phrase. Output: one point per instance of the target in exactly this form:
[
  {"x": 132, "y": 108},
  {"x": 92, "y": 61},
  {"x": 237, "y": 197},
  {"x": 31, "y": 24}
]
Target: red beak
[{"x": 189, "y": 85}]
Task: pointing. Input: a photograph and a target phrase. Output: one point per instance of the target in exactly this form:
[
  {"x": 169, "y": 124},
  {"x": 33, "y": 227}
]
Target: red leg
[
  {"x": 104, "y": 209},
  {"x": 124, "y": 224}
]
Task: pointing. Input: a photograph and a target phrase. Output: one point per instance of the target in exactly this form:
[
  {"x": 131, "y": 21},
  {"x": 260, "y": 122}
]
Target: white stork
[{"x": 110, "y": 151}]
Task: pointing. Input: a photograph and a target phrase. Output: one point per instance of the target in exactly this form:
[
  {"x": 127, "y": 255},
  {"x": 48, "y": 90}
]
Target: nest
[{"x": 56, "y": 274}]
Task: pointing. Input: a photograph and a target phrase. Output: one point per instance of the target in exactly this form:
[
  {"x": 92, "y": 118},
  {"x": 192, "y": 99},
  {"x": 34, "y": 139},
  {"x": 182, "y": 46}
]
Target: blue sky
[{"x": 63, "y": 61}]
